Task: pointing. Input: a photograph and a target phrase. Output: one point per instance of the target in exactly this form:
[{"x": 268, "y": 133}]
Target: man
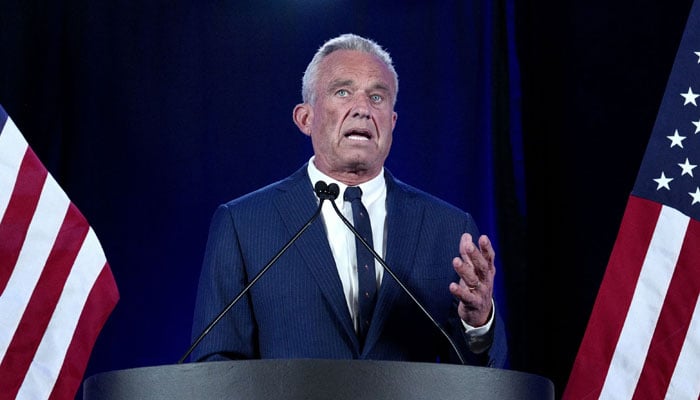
[{"x": 315, "y": 302}]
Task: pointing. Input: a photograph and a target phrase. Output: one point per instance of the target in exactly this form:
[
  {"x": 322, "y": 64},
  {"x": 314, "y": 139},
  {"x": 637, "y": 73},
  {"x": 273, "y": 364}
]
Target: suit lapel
[
  {"x": 296, "y": 205},
  {"x": 404, "y": 216}
]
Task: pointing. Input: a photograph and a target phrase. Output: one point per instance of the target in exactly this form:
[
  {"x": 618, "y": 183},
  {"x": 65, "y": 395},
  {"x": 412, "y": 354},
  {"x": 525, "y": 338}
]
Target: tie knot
[{"x": 352, "y": 193}]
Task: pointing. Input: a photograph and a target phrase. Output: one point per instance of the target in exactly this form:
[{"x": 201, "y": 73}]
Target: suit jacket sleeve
[{"x": 234, "y": 335}]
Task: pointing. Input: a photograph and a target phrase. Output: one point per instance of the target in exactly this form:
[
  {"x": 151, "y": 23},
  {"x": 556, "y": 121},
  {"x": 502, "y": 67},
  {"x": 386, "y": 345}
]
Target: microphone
[
  {"x": 324, "y": 193},
  {"x": 334, "y": 188}
]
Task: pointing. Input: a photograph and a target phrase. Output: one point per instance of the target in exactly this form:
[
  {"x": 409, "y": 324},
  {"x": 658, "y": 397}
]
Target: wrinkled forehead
[{"x": 351, "y": 66}]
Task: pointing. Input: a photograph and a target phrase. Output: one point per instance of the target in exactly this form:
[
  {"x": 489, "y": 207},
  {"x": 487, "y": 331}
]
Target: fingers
[
  {"x": 475, "y": 267},
  {"x": 487, "y": 250},
  {"x": 473, "y": 264},
  {"x": 463, "y": 264},
  {"x": 465, "y": 293}
]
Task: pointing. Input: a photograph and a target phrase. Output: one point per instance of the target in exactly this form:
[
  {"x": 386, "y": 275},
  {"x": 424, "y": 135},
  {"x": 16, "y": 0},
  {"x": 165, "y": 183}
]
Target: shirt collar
[{"x": 371, "y": 190}]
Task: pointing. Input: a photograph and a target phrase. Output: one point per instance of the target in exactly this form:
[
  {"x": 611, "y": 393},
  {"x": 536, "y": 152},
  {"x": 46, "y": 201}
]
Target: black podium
[{"x": 316, "y": 379}]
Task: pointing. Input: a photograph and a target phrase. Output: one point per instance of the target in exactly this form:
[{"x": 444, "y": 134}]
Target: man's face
[{"x": 352, "y": 118}]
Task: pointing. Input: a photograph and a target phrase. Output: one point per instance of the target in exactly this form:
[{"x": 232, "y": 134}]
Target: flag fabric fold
[
  {"x": 643, "y": 337},
  {"x": 56, "y": 287}
]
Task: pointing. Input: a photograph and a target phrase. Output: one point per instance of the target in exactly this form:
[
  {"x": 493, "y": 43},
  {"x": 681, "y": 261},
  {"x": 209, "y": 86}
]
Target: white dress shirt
[
  {"x": 342, "y": 242},
  {"x": 341, "y": 239}
]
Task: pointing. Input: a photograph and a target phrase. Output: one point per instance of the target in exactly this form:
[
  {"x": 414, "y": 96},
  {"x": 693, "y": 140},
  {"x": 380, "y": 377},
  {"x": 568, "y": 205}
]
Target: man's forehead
[
  {"x": 356, "y": 59},
  {"x": 346, "y": 67},
  {"x": 377, "y": 84}
]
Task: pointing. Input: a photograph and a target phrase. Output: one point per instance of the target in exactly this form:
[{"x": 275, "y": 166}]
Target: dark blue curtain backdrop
[{"x": 152, "y": 113}]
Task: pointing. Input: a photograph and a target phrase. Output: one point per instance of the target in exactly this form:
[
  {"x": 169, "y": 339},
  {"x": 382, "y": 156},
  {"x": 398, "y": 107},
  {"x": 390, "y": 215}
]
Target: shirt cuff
[{"x": 478, "y": 338}]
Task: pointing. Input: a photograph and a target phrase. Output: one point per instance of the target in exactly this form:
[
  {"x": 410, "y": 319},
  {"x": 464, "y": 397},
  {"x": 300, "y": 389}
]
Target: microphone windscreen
[
  {"x": 333, "y": 191},
  {"x": 320, "y": 187}
]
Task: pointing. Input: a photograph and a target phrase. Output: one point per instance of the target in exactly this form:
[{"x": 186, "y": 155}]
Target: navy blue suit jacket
[{"x": 298, "y": 309}]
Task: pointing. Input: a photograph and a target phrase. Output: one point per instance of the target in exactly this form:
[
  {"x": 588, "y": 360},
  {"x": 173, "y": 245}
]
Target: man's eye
[
  {"x": 342, "y": 93},
  {"x": 376, "y": 98}
]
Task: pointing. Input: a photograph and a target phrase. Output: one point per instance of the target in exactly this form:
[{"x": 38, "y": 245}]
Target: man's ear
[{"x": 303, "y": 116}]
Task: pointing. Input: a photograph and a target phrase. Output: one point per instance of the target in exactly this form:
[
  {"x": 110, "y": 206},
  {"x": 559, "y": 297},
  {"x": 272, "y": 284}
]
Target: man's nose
[{"x": 361, "y": 107}]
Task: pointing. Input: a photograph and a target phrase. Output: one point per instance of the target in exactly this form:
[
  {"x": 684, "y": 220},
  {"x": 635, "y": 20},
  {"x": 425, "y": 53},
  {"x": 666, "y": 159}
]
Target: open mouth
[{"x": 358, "y": 134}]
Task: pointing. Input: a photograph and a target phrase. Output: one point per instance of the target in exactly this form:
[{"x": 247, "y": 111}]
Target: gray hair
[{"x": 347, "y": 41}]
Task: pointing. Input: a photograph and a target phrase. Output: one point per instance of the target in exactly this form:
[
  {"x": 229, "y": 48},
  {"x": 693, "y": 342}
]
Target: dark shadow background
[{"x": 532, "y": 115}]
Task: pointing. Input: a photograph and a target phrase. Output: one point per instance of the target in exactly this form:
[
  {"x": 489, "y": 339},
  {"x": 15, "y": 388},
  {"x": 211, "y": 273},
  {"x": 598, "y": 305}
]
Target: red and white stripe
[
  {"x": 643, "y": 337},
  {"x": 56, "y": 287}
]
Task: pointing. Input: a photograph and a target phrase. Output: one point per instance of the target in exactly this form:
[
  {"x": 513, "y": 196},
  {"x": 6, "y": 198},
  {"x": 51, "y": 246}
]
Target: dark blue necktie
[{"x": 367, "y": 287}]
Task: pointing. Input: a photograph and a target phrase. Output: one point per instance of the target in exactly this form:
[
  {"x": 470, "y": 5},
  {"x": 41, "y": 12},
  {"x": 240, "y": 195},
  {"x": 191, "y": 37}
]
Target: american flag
[
  {"x": 643, "y": 336},
  {"x": 56, "y": 287}
]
